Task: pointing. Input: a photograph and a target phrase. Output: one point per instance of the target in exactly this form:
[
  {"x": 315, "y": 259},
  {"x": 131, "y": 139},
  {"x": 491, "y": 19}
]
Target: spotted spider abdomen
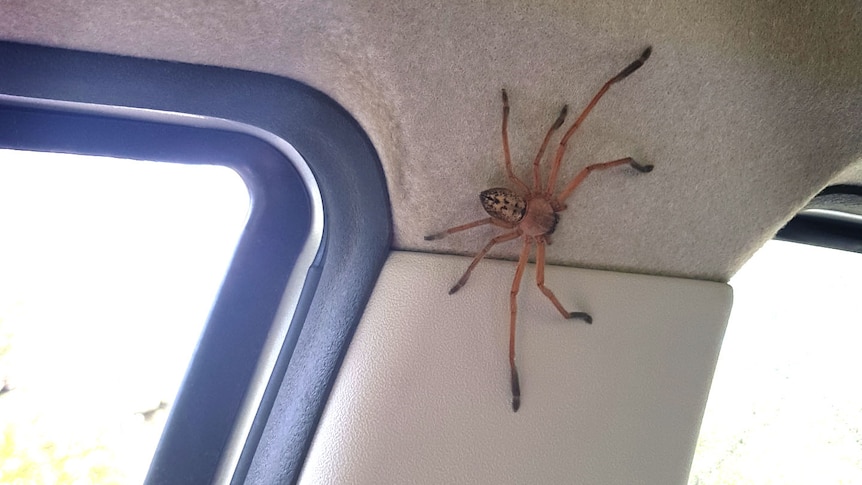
[{"x": 504, "y": 204}]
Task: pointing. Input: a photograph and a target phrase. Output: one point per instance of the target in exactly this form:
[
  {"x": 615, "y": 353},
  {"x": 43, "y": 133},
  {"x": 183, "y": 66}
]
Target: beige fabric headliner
[{"x": 747, "y": 109}]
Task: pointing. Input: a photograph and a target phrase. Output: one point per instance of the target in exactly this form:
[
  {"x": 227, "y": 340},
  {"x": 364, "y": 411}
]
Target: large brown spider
[{"x": 532, "y": 212}]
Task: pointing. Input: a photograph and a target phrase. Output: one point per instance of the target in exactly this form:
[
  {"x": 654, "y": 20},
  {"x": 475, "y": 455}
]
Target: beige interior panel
[{"x": 423, "y": 395}]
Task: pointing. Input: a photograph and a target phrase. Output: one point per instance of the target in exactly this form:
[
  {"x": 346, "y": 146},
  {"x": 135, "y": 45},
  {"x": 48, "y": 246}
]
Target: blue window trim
[{"x": 70, "y": 101}]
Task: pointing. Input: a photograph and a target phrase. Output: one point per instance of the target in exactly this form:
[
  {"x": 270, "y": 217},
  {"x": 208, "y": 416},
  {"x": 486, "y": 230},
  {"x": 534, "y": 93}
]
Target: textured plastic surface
[{"x": 423, "y": 392}]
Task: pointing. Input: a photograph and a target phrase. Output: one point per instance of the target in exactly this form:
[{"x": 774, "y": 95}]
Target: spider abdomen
[{"x": 504, "y": 204}]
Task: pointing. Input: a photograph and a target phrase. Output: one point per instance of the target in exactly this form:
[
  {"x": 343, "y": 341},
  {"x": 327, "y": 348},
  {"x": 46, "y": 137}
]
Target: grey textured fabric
[{"x": 747, "y": 109}]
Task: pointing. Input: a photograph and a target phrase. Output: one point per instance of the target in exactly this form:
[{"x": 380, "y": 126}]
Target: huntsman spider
[{"x": 530, "y": 213}]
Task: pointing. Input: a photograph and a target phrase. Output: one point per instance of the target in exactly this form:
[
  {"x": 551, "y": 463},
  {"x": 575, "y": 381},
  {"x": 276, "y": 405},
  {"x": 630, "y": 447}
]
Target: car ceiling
[{"x": 746, "y": 109}]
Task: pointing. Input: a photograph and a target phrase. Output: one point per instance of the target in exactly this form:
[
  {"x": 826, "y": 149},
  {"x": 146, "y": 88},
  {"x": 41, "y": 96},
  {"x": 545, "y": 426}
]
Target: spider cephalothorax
[{"x": 531, "y": 212}]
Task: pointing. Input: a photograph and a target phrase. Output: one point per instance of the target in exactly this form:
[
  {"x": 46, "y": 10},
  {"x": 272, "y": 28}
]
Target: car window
[
  {"x": 784, "y": 405},
  {"x": 110, "y": 269}
]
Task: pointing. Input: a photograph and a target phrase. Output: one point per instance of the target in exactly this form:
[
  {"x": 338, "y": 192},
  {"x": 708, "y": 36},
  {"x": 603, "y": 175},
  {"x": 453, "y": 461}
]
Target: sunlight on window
[
  {"x": 108, "y": 271},
  {"x": 786, "y": 405}
]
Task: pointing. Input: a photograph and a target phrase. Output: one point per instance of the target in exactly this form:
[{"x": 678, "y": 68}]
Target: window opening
[
  {"x": 108, "y": 271},
  {"x": 785, "y": 406}
]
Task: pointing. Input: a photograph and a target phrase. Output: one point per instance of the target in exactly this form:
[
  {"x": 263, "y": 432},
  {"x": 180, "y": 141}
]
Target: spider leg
[
  {"x": 507, "y": 157},
  {"x": 540, "y": 282},
  {"x": 501, "y": 238},
  {"x": 469, "y": 225},
  {"x": 567, "y": 191},
  {"x": 513, "y": 308},
  {"x": 537, "y": 183},
  {"x": 558, "y": 157}
]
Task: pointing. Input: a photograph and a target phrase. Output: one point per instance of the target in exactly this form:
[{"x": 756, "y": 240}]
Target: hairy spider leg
[
  {"x": 537, "y": 181},
  {"x": 558, "y": 157},
  {"x": 507, "y": 156},
  {"x": 513, "y": 315},
  {"x": 469, "y": 225},
  {"x": 501, "y": 238},
  {"x": 567, "y": 191},
  {"x": 540, "y": 282}
]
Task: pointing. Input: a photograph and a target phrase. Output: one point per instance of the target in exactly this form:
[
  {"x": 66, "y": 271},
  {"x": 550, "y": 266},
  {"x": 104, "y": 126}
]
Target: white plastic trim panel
[{"x": 423, "y": 393}]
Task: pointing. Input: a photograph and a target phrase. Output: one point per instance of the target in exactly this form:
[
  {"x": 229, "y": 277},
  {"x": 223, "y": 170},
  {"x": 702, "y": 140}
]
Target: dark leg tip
[
  {"x": 433, "y": 237},
  {"x": 641, "y": 168},
  {"x": 460, "y": 284},
  {"x": 562, "y": 118},
  {"x": 505, "y": 96},
  {"x": 634, "y": 66},
  {"x": 646, "y": 54},
  {"x": 516, "y": 390},
  {"x": 581, "y": 316}
]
